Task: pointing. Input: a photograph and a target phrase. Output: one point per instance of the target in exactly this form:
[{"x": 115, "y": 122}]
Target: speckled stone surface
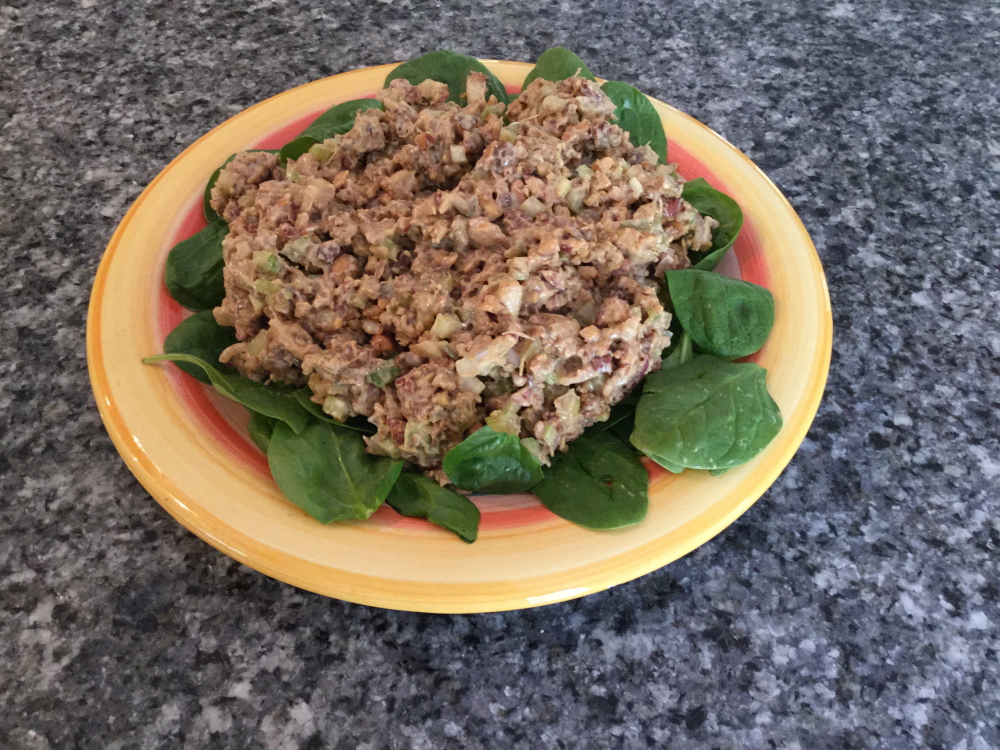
[{"x": 855, "y": 606}]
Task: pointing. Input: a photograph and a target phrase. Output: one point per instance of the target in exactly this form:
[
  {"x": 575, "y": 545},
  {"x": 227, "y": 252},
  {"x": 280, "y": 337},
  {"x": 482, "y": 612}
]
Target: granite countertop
[{"x": 854, "y": 606}]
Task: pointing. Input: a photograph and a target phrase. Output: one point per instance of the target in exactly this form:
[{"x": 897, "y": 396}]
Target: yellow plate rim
[{"x": 440, "y": 596}]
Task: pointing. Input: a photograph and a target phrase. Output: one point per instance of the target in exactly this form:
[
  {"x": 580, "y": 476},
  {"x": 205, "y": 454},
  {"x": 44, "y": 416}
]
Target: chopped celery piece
[
  {"x": 383, "y": 374},
  {"x": 266, "y": 262}
]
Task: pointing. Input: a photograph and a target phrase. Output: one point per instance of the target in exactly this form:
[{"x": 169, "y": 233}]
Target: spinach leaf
[
  {"x": 325, "y": 471},
  {"x": 722, "y": 208},
  {"x": 359, "y": 424},
  {"x": 725, "y": 317},
  {"x": 599, "y": 483},
  {"x": 705, "y": 414},
  {"x": 622, "y": 429},
  {"x": 619, "y": 412},
  {"x": 680, "y": 354},
  {"x": 557, "y": 64},
  {"x": 491, "y": 461},
  {"x": 261, "y": 428},
  {"x": 194, "y": 268},
  {"x": 210, "y": 213},
  {"x": 451, "y": 68},
  {"x": 638, "y": 117},
  {"x": 709, "y": 261},
  {"x": 271, "y": 401},
  {"x": 200, "y": 336},
  {"x": 335, "y": 121},
  {"x": 422, "y": 497},
  {"x": 304, "y": 397}
]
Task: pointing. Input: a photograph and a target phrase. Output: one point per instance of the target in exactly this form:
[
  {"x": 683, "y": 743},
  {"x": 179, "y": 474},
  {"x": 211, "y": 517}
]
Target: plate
[{"x": 189, "y": 447}]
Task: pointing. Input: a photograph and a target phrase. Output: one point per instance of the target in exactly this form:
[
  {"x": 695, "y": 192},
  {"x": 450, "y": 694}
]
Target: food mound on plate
[{"x": 436, "y": 270}]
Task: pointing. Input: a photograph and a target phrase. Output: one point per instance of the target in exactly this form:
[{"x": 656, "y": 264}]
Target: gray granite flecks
[{"x": 855, "y": 606}]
